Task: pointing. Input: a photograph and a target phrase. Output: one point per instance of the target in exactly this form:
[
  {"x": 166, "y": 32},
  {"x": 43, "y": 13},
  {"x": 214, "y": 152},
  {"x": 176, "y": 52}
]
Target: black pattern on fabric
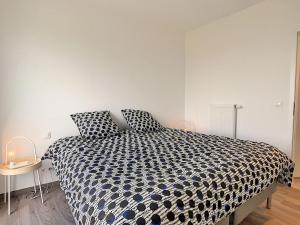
[
  {"x": 93, "y": 125},
  {"x": 164, "y": 177},
  {"x": 141, "y": 120}
]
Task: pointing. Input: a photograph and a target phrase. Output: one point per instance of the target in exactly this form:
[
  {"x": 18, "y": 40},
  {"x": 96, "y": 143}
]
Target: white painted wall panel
[
  {"x": 246, "y": 58},
  {"x": 59, "y": 58}
]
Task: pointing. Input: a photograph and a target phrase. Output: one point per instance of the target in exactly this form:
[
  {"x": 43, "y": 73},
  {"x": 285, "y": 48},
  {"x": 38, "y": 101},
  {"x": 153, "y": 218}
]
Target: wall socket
[{"x": 49, "y": 135}]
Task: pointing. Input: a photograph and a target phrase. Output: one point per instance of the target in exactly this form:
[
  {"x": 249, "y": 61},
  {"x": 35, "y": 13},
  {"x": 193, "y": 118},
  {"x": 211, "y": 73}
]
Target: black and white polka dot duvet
[{"x": 163, "y": 177}]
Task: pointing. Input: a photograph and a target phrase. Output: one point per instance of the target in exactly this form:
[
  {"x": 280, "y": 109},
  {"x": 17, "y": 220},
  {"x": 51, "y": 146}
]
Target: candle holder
[{"x": 10, "y": 156}]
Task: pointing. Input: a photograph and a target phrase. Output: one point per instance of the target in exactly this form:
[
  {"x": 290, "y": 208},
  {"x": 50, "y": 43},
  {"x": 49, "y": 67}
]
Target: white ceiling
[{"x": 180, "y": 14}]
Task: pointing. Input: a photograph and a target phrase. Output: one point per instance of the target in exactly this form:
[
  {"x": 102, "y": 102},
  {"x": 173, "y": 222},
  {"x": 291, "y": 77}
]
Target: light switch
[{"x": 278, "y": 104}]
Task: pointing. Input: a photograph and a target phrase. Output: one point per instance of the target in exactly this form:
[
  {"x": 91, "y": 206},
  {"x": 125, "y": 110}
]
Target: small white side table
[{"x": 7, "y": 172}]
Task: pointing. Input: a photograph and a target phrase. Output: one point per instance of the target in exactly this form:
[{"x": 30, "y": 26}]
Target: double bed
[{"x": 165, "y": 177}]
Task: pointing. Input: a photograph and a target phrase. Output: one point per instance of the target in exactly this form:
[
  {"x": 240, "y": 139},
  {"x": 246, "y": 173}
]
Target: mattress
[{"x": 164, "y": 177}]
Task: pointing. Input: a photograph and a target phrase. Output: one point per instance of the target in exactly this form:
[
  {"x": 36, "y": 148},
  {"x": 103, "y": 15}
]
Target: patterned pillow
[
  {"x": 140, "y": 120},
  {"x": 92, "y": 125}
]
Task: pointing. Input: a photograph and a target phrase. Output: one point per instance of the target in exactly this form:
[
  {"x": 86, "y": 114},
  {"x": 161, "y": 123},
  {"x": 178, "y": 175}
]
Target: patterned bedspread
[{"x": 165, "y": 177}]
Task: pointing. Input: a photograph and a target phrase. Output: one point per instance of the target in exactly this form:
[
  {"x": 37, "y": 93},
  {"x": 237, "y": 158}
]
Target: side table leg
[
  {"x": 269, "y": 202},
  {"x": 8, "y": 184},
  {"x": 39, "y": 182},
  {"x": 34, "y": 183},
  {"x": 5, "y": 188}
]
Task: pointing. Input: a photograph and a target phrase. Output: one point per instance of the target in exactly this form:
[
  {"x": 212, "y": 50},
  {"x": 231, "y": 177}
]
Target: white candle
[{"x": 11, "y": 156}]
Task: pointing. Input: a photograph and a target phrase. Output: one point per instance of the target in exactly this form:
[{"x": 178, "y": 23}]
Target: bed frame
[
  {"x": 245, "y": 209},
  {"x": 239, "y": 214}
]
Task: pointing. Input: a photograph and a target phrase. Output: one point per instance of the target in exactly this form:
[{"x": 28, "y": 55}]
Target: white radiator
[{"x": 223, "y": 119}]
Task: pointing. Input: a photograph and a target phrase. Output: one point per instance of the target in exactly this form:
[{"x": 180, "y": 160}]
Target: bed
[{"x": 164, "y": 177}]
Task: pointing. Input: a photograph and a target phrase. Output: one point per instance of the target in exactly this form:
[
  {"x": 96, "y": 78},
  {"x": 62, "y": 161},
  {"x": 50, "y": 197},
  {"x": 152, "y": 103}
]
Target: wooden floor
[
  {"x": 55, "y": 210},
  {"x": 285, "y": 209},
  {"x": 296, "y": 183}
]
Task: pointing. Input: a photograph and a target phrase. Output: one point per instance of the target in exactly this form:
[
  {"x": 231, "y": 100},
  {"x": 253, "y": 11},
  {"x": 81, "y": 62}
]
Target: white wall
[
  {"x": 247, "y": 58},
  {"x": 58, "y": 58}
]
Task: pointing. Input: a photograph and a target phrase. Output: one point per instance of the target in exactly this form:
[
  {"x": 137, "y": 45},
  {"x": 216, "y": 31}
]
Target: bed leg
[
  {"x": 231, "y": 219},
  {"x": 269, "y": 202}
]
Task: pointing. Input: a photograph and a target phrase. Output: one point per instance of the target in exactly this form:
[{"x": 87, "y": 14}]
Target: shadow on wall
[
  {"x": 2, "y": 177},
  {"x": 2, "y": 148},
  {"x": 2, "y": 145},
  {"x": 4, "y": 114}
]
